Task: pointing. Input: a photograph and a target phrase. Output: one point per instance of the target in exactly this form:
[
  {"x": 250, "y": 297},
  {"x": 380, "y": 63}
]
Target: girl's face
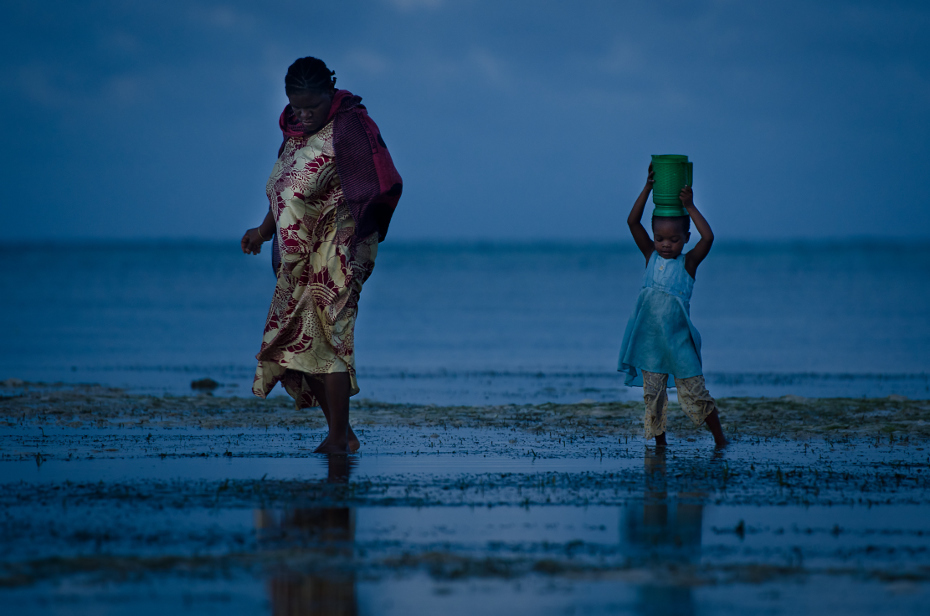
[{"x": 669, "y": 238}]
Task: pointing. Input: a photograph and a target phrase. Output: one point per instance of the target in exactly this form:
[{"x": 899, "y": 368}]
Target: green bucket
[{"x": 672, "y": 173}]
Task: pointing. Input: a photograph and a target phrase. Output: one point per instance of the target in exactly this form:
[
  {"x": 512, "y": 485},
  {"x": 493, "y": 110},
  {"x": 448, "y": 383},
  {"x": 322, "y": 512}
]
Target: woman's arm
[
  {"x": 640, "y": 235},
  {"x": 254, "y": 238},
  {"x": 700, "y": 250}
]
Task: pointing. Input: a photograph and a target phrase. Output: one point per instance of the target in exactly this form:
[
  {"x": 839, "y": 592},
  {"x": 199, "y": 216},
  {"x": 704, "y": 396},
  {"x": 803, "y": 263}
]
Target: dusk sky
[{"x": 507, "y": 119}]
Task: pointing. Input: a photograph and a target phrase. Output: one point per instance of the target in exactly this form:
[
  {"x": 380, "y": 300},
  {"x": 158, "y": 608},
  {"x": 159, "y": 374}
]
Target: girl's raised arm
[
  {"x": 700, "y": 250},
  {"x": 640, "y": 235}
]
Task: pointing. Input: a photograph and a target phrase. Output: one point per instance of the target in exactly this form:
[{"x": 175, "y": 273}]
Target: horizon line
[{"x": 474, "y": 241}]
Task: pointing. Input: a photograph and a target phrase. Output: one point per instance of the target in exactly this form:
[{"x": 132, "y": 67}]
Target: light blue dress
[{"x": 659, "y": 335}]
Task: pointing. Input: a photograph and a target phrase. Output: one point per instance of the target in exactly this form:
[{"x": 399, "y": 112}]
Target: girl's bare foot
[
  {"x": 713, "y": 424},
  {"x": 660, "y": 441}
]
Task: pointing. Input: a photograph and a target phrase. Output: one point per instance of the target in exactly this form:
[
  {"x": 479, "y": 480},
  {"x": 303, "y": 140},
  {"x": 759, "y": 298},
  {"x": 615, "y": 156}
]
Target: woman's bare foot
[
  {"x": 353, "y": 441},
  {"x": 713, "y": 424},
  {"x": 332, "y": 391},
  {"x": 329, "y": 445},
  {"x": 660, "y": 441}
]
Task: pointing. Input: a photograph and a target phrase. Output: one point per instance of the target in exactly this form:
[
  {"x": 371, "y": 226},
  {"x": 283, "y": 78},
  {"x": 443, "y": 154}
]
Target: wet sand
[{"x": 141, "y": 504}]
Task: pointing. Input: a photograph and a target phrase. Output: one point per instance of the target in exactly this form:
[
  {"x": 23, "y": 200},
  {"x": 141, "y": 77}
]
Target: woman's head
[
  {"x": 670, "y": 234},
  {"x": 309, "y": 74},
  {"x": 310, "y": 86}
]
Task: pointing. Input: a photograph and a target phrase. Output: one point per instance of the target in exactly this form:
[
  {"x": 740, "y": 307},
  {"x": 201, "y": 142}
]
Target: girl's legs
[
  {"x": 332, "y": 392},
  {"x": 698, "y": 404},
  {"x": 656, "y": 399}
]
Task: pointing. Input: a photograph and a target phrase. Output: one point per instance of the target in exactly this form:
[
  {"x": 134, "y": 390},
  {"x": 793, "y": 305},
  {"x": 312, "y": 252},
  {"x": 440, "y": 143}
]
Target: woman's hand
[
  {"x": 650, "y": 178},
  {"x": 252, "y": 241},
  {"x": 687, "y": 197}
]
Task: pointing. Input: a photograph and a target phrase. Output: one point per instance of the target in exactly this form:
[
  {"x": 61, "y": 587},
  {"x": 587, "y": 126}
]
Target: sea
[{"x": 475, "y": 323}]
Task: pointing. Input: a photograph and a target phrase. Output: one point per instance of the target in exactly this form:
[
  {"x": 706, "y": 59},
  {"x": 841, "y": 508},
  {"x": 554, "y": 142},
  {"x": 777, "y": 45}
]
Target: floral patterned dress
[{"x": 311, "y": 322}]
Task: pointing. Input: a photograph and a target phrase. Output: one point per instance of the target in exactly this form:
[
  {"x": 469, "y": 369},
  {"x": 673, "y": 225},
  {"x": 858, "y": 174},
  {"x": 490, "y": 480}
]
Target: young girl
[{"x": 660, "y": 338}]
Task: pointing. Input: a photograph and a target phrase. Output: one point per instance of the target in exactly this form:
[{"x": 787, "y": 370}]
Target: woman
[{"x": 332, "y": 193}]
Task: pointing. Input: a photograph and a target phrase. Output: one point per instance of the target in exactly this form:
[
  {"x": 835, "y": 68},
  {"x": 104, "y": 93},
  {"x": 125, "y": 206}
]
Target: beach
[
  {"x": 205, "y": 504},
  {"x": 450, "y": 254},
  {"x": 502, "y": 467}
]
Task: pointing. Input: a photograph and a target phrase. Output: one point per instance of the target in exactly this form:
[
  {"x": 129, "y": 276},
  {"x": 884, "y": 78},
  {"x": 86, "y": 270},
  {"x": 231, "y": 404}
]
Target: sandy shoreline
[
  {"x": 109, "y": 496},
  {"x": 786, "y": 417}
]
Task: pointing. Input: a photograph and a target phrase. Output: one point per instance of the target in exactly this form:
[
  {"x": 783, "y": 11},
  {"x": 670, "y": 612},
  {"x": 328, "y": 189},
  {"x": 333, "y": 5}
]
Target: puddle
[
  {"x": 114, "y": 518},
  {"x": 424, "y": 594}
]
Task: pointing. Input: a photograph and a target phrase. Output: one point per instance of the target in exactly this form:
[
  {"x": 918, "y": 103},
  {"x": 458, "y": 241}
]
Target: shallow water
[
  {"x": 511, "y": 510},
  {"x": 140, "y": 520},
  {"x": 476, "y": 323},
  {"x": 538, "y": 594}
]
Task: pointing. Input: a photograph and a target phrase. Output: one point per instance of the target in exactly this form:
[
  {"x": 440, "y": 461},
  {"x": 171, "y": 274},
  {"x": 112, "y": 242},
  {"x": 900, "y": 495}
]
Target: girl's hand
[
  {"x": 650, "y": 178},
  {"x": 687, "y": 197},
  {"x": 252, "y": 242}
]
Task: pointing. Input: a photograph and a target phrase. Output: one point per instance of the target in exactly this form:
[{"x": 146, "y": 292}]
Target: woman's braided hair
[{"x": 309, "y": 74}]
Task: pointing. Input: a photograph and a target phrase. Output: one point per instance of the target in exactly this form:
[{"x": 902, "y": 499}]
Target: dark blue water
[{"x": 473, "y": 323}]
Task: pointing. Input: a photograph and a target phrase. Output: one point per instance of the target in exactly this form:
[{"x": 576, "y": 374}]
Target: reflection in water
[
  {"x": 669, "y": 533},
  {"x": 321, "y": 537},
  {"x": 317, "y": 543}
]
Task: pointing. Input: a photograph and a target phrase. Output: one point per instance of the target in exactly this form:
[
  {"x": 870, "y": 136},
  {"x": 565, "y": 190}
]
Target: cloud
[
  {"x": 414, "y": 5},
  {"x": 225, "y": 18},
  {"x": 54, "y": 88},
  {"x": 622, "y": 58},
  {"x": 803, "y": 81},
  {"x": 491, "y": 68},
  {"x": 475, "y": 67},
  {"x": 122, "y": 90},
  {"x": 32, "y": 82},
  {"x": 120, "y": 42},
  {"x": 368, "y": 62}
]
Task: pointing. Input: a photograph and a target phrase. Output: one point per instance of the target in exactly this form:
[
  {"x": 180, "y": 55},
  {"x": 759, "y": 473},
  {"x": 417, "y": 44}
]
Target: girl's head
[
  {"x": 310, "y": 86},
  {"x": 670, "y": 234}
]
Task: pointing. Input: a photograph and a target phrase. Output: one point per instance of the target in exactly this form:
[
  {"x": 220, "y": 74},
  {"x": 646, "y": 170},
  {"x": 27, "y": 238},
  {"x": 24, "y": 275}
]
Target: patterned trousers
[{"x": 693, "y": 397}]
